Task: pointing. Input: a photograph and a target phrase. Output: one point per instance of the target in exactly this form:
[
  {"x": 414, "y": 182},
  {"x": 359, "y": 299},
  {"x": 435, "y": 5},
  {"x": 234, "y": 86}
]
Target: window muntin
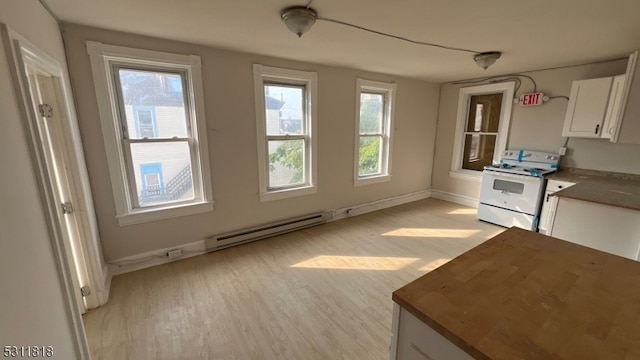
[
  {"x": 285, "y": 128},
  {"x": 373, "y": 137},
  {"x": 151, "y": 106}
]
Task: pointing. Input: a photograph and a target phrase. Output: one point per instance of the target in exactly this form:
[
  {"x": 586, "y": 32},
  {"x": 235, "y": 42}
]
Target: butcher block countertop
[
  {"x": 613, "y": 189},
  {"x": 523, "y": 295}
]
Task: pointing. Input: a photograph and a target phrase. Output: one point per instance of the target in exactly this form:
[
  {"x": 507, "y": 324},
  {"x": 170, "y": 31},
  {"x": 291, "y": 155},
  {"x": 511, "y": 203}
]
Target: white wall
[
  {"x": 32, "y": 301},
  {"x": 537, "y": 128},
  {"x": 230, "y": 111}
]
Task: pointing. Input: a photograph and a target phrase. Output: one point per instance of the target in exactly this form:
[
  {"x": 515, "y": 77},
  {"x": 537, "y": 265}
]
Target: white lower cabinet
[
  {"x": 602, "y": 227},
  {"x": 415, "y": 340},
  {"x": 549, "y": 204}
]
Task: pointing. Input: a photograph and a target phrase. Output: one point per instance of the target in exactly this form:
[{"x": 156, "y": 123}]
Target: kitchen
[{"x": 528, "y": 310}]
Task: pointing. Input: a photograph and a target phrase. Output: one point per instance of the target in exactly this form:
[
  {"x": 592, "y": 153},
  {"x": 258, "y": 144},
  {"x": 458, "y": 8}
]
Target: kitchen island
[{"x": 521, "y": 295}]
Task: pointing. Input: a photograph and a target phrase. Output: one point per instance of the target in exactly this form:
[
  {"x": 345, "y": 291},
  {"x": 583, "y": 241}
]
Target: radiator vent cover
[{"x": 222, "y": 241}]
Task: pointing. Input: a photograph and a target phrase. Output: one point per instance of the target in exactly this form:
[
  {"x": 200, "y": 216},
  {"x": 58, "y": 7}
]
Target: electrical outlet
[
  {"x": 172, "y": 254},
  {"x": 562, "y": 151}
]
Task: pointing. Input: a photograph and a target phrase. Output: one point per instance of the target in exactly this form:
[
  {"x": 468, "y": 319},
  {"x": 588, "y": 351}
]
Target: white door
[{"x": 47, "y": 107}]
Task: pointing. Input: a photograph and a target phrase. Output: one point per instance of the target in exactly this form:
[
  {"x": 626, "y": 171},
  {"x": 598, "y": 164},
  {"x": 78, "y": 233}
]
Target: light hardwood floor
[{"x": 319, "y": 293}]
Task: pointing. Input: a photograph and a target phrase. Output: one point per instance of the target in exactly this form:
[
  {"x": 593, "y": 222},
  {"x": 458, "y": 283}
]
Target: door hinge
[
  {"x": 67, "y": 207},
  {"x": 85, "y": 290},
  {"x": 45, "y": 110}
]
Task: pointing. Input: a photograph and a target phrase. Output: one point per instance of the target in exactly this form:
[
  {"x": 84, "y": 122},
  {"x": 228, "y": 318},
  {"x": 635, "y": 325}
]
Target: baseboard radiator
[{"x": 222, "y": 241}]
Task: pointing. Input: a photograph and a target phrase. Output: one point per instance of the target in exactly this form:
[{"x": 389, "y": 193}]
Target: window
[
  {"x": 375, "y": 103},
  {"x": 482, "y": 128},
  {"x": 151, "y": 110},
  {"x": 285, "y": 119}
]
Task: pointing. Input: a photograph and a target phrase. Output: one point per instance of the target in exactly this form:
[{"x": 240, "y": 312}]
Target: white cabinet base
[
  {"x": 606, "y": 228},
  {"x": 415, "y": 340}
]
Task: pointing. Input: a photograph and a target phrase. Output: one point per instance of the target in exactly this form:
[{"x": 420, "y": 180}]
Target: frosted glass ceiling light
[
  {"x": 299, "y": 19},
  {"x": 486, "y": 59}
]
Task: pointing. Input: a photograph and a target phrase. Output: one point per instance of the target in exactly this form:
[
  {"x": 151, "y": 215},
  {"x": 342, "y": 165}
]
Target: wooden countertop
[
  {"x": 523, "y": 295},
  {"x": 620, "y": 190}
]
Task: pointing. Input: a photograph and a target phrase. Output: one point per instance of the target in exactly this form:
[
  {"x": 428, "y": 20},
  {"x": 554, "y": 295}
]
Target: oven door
[{"x": 514, "y": 192}]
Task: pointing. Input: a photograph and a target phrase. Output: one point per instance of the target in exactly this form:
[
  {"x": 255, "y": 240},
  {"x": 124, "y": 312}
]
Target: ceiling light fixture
[
  {"x": 299, "y": 20},
  {"x": 486, "y": 59}
]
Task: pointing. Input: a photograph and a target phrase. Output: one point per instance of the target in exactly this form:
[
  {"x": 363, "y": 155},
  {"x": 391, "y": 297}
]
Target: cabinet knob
[{"x": 597, "y": 128}]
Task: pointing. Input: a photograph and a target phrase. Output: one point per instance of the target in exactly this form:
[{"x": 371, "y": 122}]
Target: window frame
[
  {"x": 105, "y": 60},
  {"x": 388, "y": 90},
  {"x": 464, "y": 99},
  {"x": 266, "y": 75}
]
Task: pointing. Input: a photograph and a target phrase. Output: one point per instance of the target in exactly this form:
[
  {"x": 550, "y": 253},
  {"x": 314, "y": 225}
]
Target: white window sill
[
  {"x": 371, "y": 180},
  {"x": 146, "y": 215},
  {"x": 468, "y": 175},
  {"x": 288, "y": 193}
]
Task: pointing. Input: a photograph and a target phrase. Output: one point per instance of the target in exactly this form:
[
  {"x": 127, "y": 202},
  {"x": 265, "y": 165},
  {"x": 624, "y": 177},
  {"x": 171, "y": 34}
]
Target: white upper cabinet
[
  {"x": 627, "y": 126},
  {"x": 606, "y": 108},
  {"x": 587, "y": 108}
]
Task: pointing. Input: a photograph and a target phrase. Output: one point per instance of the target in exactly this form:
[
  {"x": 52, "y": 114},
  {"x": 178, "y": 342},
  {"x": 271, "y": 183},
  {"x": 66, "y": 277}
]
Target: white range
[{"x": 512, "y": 190}]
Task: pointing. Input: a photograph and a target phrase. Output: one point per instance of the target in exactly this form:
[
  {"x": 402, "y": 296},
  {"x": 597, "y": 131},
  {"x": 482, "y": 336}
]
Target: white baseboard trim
[
  {"x": 154, "y": 257},
  {"x": 158, "y": 257},
  {"x": 360, "y": 209},
  {"x": 455, "y": 198}
]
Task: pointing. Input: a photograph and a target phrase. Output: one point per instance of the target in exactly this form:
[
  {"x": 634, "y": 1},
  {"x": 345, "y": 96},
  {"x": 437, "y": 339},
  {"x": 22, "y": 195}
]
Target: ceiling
[{"x": 532, "y": 35}]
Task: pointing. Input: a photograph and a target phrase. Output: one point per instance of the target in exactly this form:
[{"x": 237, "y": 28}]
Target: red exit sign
[{"x": 531, "y": 99}]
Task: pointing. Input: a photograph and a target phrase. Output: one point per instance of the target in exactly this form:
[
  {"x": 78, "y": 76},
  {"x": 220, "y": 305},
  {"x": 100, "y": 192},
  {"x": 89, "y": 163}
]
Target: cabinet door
[
  {"x": 628, "y": 126},
  {"x": 613, "y": 110},
  {"x": 587, "y": 107},
  {"x": 415, "y": 340},
  {"x": 549, "y": 203}
]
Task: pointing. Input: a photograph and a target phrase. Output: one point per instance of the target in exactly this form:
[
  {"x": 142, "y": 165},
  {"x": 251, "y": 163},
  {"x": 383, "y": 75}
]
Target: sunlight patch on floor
[
  {"x": 464, "y": 211},
  {"x": 447, "y": 233},
  {"x": 434, "y": 264},
  {"x": 356, "y": 262}
]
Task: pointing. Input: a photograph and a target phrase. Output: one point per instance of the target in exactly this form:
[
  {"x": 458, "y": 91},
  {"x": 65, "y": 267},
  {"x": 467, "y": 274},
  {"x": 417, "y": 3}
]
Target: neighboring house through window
[
  {"x": 152, "y": 182},
  {"x": 145, "y": 121},
  {"x": 152, "y": 115},
  {"x": 482, "y": 128},
  {"x": 285, "y": 122},
  {"x": 375, "y": 104}
]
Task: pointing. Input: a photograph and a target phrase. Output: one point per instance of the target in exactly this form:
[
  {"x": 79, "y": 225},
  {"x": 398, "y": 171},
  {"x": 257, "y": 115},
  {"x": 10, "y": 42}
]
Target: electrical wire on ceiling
[
  {"x": 299, "y": 19},
  {"x": 397, "y": 37},
  {"x": 489, "y": 78}
]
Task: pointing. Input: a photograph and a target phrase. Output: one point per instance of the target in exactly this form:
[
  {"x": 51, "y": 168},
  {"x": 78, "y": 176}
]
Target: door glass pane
[
  {"x": 153, "y": 103},
  {"x": 369, "y": 155},
  {"x": 286, "y": 163},
  {"x": 478, "y": 151},
  {"x": 284, "y": 109},
  {"x": 484, "y": 113},
  {"x": 508, "y": 186},
  {"x": 162, "y": 172},
  {"x": 371, "y": 113}
]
